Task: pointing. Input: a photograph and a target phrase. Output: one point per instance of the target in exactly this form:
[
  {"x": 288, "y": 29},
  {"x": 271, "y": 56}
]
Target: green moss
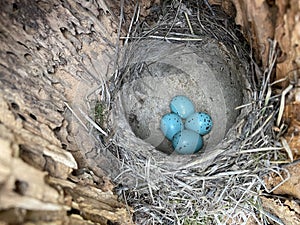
[
  {"x": 196, "y": 222},
  {"x": 99, "y": 113}
]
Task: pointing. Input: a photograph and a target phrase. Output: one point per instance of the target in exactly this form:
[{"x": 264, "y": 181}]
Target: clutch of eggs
[{"x": 186, "y": 136}]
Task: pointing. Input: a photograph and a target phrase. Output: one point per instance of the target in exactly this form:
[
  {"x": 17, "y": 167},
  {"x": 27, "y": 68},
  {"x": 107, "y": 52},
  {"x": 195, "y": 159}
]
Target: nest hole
[{"x": 157, "y": 71}]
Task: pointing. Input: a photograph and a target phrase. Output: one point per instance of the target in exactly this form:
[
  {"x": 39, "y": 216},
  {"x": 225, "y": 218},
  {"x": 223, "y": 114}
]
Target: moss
[
  {"x": 203, "y": 221},
  {"x": 99, "y": 113}
]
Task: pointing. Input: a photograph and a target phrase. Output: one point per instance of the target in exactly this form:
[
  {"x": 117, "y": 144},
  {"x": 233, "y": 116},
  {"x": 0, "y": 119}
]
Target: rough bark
[
  {"x": 278, "y": 21},
  {"x": 52, "y": 53},
  {"x": 56, "y": 52},
  {"x": 265, "y": 22}
]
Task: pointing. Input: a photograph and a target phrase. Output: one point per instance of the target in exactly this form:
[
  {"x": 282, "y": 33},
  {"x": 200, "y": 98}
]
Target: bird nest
[{"x": 193, "y": 50}]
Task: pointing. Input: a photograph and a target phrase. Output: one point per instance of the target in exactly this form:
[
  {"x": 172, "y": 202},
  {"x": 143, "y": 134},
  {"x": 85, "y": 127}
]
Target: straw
[{"x": 226, "y": 190}]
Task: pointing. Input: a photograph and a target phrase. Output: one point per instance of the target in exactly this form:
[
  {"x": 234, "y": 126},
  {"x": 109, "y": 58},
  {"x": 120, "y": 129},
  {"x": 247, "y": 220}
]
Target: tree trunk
[{"x": 52, "y": 54}]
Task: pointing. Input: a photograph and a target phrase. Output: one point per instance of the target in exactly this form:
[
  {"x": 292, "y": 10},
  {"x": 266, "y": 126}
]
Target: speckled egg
[
  {"x": 182, "y": 106},
  {"x": 170, "y": 124},
  {"x": 199, "y": 122},
  {"x": 187, "y": 142}
]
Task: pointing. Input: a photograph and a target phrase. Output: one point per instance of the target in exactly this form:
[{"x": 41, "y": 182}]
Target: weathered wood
[{"x": 52, "y": 53}]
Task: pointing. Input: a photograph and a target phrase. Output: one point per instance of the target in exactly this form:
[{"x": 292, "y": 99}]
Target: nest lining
[
  {"x": 159, "y": 71},
  {"x": 219, "y": 187}
]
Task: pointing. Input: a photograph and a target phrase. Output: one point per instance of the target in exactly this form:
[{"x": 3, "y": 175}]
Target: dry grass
[{"x": 227, "y": 190}]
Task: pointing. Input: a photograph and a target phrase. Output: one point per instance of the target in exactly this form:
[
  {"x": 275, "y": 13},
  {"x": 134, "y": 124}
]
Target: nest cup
[
  {"x": 212, "y": 68},
  {"x": 156, "y": 71}
]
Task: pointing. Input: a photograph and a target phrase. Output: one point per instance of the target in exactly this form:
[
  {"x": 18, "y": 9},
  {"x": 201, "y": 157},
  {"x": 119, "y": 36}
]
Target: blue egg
[
  {"x": 182, "y": 106},
  {"x": 199, "y": 122},
  {"x": 170, "y": 124},
  {"x": 187, "y": 142}
]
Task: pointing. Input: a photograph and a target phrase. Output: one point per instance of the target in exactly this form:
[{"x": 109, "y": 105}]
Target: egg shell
[
  {"x": 187, "y": 142},
  {"x": 170, "y": 124},
  {"x": 182, "y": 106},
  {"x": 199, "y": 122}
]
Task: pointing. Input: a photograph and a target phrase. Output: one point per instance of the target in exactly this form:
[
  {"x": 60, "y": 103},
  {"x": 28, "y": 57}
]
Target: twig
[
  {"x": 210, "y": 9},
  {"x": 279, "y": 184},
  {"x": 189, "y": 23},
  {"x": 287, "y": 148},
  {"x": 262, "y": 126},
  {"x": 272, "y": 217},
  {"x": 282, "y": 103},
  {"x": 165, "y": 38},
  {"x": 93, "y": 123},
  {"x": 134, "y": 18},
  {"x": 260, "y": 150},
  {"x": 79, "y": 120}
]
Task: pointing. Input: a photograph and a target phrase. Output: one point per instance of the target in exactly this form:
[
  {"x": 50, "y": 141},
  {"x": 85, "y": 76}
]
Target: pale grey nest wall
[{"x": 156, "y": 71}]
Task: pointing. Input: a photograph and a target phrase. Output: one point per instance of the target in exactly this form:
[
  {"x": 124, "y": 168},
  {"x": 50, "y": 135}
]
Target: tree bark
[{"x": 52, "y": 53}]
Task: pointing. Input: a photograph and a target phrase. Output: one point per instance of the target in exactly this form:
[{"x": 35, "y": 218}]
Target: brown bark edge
[{"x": 47, "y": 49}]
